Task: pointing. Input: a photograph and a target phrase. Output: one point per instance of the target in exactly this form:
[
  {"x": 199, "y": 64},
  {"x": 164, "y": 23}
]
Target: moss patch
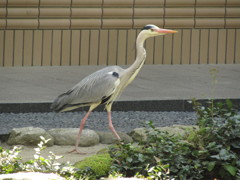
[{"x": 99, "y": 164}]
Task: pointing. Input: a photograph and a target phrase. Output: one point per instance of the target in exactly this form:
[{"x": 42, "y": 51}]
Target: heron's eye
[{"x": 152, "y": 30}]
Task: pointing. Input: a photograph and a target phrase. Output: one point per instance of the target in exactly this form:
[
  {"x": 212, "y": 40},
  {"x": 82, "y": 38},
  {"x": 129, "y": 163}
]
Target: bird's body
[
  {"x": 99, "y": 86},
  {"x": 105, "y": 85}
]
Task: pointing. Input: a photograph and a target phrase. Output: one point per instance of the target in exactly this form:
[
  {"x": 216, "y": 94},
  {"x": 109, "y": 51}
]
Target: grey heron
[{"x": 105, "y": 85}]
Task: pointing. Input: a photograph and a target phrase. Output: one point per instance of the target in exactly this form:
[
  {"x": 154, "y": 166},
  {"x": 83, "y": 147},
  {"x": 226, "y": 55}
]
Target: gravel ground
[{"x": 122, "y": 121}]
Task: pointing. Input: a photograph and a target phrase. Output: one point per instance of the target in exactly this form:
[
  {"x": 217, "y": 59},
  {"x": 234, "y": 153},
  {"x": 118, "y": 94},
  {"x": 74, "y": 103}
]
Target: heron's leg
[
  {"x": 93, "y": 106},
  {"x": 80, "y": 132},
  {"x": 111, "y": 127}
]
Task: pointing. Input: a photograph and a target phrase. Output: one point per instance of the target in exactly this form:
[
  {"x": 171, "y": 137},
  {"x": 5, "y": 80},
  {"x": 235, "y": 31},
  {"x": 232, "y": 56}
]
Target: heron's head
[{"x": 151, "y": 30}]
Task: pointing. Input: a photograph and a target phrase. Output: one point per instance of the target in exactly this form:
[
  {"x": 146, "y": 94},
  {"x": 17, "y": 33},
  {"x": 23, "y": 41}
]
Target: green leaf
[
  {"x": 211, "y": 165},
  {"x": 229, "y": 103},
  {"x": 129, "y": 159},
  {"x": 231, "y": 169}
]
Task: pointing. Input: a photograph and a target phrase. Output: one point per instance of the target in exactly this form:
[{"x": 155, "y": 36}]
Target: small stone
[
  {"x": 29, "y": 136},
  {"x": 67, "y": 136},
  {"x": 109, "y": 138}
]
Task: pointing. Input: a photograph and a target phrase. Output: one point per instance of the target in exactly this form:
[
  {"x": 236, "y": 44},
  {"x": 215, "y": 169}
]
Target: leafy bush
[
  {"x": 10, "y": 162},
  {"x": 218, "y": 139},
  {"x": 212, "y": 151}
]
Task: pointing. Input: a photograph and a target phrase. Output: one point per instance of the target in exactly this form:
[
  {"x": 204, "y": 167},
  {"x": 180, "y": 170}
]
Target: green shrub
[
  {"x": 95, "y": 166},
  {"x": 212, "y": 151},
  {"x": 10, "y": 162}
]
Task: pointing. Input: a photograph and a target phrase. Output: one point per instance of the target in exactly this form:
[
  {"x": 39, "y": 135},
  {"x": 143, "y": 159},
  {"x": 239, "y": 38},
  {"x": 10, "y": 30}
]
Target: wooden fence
[{"x": 91, "y": 32}]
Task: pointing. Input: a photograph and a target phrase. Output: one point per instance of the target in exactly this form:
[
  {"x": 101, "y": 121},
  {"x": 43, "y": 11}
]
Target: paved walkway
[{"x": 39, "y": 85}]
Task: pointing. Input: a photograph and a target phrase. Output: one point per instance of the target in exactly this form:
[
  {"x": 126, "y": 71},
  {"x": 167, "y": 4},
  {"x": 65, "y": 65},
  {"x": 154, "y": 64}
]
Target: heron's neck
[{"x": 141, "y": 54}]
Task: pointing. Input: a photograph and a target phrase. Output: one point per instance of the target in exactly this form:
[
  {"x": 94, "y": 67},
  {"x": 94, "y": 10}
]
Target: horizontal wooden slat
[
  {"x": 139, "y": 23},
  {"x": 86, "y": 3},
  {"x": 22, "y": 3},
  {"x": 148, "y": 12},
  {"x": 210, "y": 12},
  {"x": 55, "y": 12},
  {"x": 117, "y": 23},
  {"x": 22, "y": 13},
  {"x": 211, "y": 2},
  {"x": 55, "y": 3},
  {"x": 3, "y": 12},
  {"x": 54, "y": 23},
  {"x": 122, "y": 3},
  {"x": 233, "y": 12},
  {"x": 22, "y": 23},
  {"x": 117, "y": 12},
  {"x": 86, "y": 12},
  {"x": 3, "y": 3},
  {"x": 179, "y": 12},
  {"x": 209, "y": 23},
  {"x": 180, "y": 3},
  {"x": 233, "y": 3},
  {"x": 179, "y": 23},
  {"x": 3, "y": 23},
  {"x": 148, "y": 3},
  {"x": 85, "y": 23},
  {"x": 233, "y": 23}
]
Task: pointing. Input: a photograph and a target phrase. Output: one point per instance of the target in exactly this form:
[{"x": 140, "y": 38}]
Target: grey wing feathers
[{"x": 92, "y": 89}]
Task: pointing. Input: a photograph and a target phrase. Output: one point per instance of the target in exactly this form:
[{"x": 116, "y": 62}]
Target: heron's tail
[
  {"x": 63, "y": 103},
  {"x": 60, "y": 102},
  {"x": 57, "y": 104}
]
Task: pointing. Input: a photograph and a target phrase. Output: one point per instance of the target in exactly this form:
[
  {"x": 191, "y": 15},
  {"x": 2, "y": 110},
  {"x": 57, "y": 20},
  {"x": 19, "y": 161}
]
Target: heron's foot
[{"x": 77, "y": 151}]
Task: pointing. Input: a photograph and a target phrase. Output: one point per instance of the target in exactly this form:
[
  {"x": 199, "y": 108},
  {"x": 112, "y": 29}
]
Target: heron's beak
[{"x": 166, "y": 31}]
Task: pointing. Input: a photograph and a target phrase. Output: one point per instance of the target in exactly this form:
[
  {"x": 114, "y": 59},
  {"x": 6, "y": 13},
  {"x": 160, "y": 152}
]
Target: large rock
[
  {"x": 28, "y": 136},
  {"x": 67, "y": 136},
  {"x": 139, "y": 134},
  {"x": 109, "y": 138},
  {"x": 30, "y": 176},
  {"x": 177, "y": 129}
]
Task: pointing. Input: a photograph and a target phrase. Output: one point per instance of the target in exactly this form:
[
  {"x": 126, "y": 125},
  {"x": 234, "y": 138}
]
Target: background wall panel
[
  {"x": 46, "y": 48},
  {"x": 8, "y": 48},
  {"x": 222, "y": 40},
  {"x": 18, "y": 51},
  {"x": 84, "y": 54},
  {"x": 177, "y": 52},
  {"x": 186, "y": 46},
  {"x": 83, "y": 32},
  {"x": 66, "y": 45},
  {"x": 237, "y": 46},
  {"x": 27, "y": 48},
  {"x": 122, "y": 41},
  {"x": 38, "y": 47},
  {"x": 2, "y": 47},
  {"x": 94, "y": 47},
  {"x": 75, "y": 46},
  {"x": 56, "y": 47},
  {"x": 213, "y": 41}
]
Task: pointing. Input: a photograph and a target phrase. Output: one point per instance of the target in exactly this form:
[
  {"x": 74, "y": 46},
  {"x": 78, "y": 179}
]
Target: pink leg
[
  {"x": 80, "y": 132},
  {"x": 111, "y": 125}
]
